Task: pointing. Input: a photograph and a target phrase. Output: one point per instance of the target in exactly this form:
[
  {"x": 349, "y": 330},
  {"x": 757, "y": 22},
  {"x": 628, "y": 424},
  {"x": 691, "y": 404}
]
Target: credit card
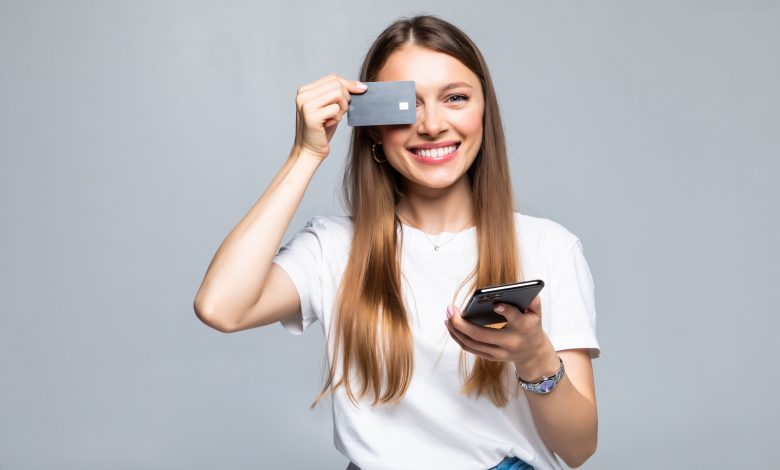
[{"x": 383, "y": 103}]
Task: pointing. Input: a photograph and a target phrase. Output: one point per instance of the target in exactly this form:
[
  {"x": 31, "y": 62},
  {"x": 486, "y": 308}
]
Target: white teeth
[{"x": 435, "y": 153}]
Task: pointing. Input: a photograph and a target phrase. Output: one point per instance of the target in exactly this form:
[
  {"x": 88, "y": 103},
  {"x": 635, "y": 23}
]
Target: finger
[
  {"x": 536, "y": 305},
  {"x": 468, "y": 345},
  {"x": 334, "y": 120},
  {"x": 319, "y": 97},
  {"x": 483, "y": 334},
  {"x": 343, "y": 101},
  {"x": 350, "y": 86},
  {"x": 475, "y": 352},
  {"x": 522, "y": 323},
  {"x": 322, "y": 115},
  {"x": 327, "y": 78},
  {"x": 508, "y": 311},
  {"x": 354, "y": 86},
  {"x": 485, "y": 348}
]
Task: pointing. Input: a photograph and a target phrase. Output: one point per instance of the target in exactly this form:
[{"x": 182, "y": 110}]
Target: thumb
[
  {"x": 510, "y": 312},
  {"x": 357, "y": 87},
  {"x": 535, "y": 306}
]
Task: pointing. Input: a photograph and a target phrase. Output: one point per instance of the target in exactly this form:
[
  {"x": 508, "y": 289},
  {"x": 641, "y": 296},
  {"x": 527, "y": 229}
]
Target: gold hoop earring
[{"x": 373, "y": 153}]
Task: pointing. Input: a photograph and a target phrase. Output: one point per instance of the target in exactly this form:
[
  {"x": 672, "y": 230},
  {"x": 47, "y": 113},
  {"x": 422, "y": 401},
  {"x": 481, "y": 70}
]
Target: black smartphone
[{"x": 480, "y": 311}]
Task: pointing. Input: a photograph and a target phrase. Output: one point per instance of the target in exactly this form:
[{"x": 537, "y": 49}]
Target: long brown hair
[{"x": 370, "y": 322}]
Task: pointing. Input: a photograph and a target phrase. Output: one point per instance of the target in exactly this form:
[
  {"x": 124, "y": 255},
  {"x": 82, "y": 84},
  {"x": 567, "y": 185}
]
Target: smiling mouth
[{"x": 437, "y": 153}]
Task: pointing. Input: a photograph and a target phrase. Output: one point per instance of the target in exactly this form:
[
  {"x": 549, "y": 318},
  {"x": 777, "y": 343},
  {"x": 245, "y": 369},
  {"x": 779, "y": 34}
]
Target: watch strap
[{"x": 546, "y": 384}]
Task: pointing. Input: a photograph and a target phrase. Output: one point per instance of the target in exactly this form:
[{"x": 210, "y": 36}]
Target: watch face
[{"x": 546, "y": 386}]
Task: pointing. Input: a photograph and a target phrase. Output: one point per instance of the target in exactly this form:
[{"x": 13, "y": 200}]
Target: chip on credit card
[{"x": 383, "y": 103}]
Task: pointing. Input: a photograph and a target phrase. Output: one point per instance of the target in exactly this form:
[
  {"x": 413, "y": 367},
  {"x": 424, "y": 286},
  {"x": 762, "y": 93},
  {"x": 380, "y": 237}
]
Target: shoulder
[
  {"x": 331, "y": 231},
  {"x": 545, "y": 235},
  {"x": 330, "y": 223}
]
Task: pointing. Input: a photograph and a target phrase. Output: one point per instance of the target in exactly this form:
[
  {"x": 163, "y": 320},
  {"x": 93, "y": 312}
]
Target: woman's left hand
[{"x": 521, "y": 340}]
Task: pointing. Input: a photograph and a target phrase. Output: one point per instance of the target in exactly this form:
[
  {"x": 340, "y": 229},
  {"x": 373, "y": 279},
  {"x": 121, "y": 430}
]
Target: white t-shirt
[{"x": 435, "y": 425}]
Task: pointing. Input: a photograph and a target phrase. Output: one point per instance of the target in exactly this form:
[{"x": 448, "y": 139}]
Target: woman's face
[{"x": 450, "y": 107}]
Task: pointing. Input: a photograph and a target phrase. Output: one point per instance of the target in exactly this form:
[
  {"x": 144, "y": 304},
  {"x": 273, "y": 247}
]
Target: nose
[{"x": 430, "y": 121}]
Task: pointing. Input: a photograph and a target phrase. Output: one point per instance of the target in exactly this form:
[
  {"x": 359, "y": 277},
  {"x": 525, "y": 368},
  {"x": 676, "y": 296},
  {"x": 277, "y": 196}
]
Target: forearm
[
  {"x": 566, "y": 419},
  {"x": 236, "y": 275}
]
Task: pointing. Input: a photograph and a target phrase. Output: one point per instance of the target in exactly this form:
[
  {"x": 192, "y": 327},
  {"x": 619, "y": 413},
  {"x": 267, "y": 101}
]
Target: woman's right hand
[{"x": 319, "y": 107}]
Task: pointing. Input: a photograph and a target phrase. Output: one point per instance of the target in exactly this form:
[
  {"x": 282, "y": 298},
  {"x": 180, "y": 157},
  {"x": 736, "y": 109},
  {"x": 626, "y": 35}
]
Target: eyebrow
[
  {"x": 452, "y": 85},
  {"x": 455, "y": 85}
]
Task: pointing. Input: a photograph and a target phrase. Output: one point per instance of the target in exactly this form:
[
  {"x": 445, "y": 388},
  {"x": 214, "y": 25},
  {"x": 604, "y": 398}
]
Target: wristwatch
[{"x": 546, "y": 385}]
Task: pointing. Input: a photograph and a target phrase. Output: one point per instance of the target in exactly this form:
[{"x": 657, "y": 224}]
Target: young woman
[{"x": 431, "y": 218}]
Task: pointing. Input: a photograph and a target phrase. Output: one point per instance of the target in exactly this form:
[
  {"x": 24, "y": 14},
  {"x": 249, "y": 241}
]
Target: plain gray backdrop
[{"x": 135, "y": 135}]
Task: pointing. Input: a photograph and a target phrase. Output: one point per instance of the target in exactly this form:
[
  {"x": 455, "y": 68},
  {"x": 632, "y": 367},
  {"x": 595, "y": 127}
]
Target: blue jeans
[
  {"x": 512, "y": 463},
  {"x": 509, "y": 463}
]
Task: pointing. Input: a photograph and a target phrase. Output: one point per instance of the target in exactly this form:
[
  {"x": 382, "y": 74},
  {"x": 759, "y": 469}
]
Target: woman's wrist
[
  {"x": 544, "y": 363},
  {"x": 303, "y": 153}
]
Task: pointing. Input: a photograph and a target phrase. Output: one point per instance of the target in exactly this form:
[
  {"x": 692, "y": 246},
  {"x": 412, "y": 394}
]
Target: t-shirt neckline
[
  {"x": 448, "y": 240},
  {"x": 438, "y": 235}
]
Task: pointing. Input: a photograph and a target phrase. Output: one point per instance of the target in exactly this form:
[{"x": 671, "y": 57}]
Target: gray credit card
[{"x": 383, "y": 103}]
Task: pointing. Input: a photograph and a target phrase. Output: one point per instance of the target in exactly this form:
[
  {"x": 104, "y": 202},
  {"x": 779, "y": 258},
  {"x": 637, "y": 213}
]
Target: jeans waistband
[
  {"x": 509, "y": 463},
  {"x": 512, "y": 463}
]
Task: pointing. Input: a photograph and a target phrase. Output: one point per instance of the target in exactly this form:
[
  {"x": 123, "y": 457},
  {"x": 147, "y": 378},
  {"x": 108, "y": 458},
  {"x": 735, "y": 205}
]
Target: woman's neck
[{"x": 435, "y": 211}]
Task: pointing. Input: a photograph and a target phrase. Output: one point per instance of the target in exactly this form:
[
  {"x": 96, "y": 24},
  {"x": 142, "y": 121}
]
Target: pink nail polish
[{"x": 449, "y": 311}]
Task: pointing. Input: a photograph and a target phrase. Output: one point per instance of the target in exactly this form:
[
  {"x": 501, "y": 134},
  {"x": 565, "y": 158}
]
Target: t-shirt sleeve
[
  {"x": 302, "y": 259},
  {"x": 573, "y": 310}
]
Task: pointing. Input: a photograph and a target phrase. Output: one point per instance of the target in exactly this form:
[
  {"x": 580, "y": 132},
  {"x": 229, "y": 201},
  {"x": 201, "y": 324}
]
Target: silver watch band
[{"x": 546, "y": 384}]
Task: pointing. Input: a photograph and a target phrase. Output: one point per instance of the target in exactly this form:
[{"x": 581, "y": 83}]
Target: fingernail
[
  {"x": 449, "y": 312},
  {"x": 361, "y": 85},
  {"x": 499, "y": 308}
]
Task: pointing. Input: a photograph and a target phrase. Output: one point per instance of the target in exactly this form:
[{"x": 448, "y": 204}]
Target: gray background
[{"x": 135, "y": 135}]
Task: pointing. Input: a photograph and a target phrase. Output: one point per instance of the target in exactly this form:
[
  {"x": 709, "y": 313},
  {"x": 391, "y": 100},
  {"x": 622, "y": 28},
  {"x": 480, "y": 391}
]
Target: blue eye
[{"x": 463, "y": 98}]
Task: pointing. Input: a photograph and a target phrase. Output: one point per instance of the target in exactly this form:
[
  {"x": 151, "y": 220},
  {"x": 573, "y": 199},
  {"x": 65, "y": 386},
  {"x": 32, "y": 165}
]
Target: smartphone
[{"x": 480, "y": 311}]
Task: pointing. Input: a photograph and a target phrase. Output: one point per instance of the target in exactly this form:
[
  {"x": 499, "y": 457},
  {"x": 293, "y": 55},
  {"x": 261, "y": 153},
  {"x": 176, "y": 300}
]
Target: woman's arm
[
  {"x": 566, "y": 418},
  {"x": 235, "y": 278},
  {"x": 230, "y": 296}
]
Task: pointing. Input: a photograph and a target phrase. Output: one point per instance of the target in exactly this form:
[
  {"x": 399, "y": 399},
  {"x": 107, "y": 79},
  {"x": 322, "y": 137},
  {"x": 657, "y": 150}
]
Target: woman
[{"x": 431, "y": 218}]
